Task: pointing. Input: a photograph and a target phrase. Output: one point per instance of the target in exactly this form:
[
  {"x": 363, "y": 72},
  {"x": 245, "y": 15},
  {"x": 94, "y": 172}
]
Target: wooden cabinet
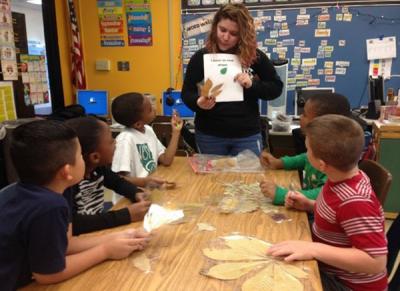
[{"x": 387, "y": 142}]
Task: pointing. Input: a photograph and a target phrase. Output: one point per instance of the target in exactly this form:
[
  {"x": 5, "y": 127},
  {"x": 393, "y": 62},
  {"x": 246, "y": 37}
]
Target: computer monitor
[
  {"x": 302, "y": 94},
  {"x": 172, "y": 100},
  {"x": 94, "y": 101}
]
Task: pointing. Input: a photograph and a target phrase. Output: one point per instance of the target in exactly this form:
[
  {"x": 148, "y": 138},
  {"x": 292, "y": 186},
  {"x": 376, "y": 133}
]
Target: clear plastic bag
[{"x": 245, "y": 162}]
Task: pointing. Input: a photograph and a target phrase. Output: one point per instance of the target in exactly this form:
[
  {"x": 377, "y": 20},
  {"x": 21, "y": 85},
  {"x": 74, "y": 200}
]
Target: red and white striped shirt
[{"x": 348, "y": 214}]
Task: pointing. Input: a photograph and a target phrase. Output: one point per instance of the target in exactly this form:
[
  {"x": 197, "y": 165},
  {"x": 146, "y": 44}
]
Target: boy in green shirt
[{"x": 313, "y": 180}]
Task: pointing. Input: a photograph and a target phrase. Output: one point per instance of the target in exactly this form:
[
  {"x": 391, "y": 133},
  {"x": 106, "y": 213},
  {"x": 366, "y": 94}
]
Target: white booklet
[{"x": 222, "y": 69}]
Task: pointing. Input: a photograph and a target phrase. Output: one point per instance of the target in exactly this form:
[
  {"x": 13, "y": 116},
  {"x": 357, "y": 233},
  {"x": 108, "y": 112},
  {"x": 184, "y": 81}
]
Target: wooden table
[{"x": 176, "y": 249}]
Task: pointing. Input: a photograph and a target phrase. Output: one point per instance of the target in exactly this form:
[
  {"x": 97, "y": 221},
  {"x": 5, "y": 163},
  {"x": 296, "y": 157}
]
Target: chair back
[
  {"x": 163, "y": 131},
  {"x": 380, "y": 178}
]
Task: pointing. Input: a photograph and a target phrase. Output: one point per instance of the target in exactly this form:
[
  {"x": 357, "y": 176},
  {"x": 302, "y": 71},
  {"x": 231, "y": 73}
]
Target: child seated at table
[
  {"x": 313, "y": 180},
  {"x": 138, "y": 150},
  {"x": 87, "y": 197},
  {"x": 35, "y": 235},
  {"x": 348, "y": 229}
]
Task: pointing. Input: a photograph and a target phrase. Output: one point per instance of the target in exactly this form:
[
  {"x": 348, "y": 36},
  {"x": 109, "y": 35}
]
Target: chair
[
  {"x": 163, "y": 132},
  {"x": 393, "y": 237},
  {"x": 380, "y": 178}
]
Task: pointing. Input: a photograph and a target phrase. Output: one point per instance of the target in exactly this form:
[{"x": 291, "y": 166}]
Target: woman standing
[{"x": 226, "y": 128}]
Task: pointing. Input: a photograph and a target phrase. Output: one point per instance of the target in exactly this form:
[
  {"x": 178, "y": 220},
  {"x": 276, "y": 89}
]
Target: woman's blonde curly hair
[{"x": 247, "y": 44}]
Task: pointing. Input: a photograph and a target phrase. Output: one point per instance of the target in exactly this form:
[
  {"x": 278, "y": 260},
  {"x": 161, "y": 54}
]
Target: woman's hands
[{"x": 244, "y": 80}]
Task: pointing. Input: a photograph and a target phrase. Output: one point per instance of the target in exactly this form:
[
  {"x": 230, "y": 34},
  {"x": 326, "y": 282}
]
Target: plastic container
[{"x": 280, "y": 124}]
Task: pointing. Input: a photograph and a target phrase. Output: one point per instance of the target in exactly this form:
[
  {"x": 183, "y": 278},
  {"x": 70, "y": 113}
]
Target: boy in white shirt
[{"x": 138, "y": 150}]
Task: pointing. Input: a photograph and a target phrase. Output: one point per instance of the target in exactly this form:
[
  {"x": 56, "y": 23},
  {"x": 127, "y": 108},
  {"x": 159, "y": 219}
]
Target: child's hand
[
  {"x": 153, "y": 182},
  {"x": 268, "y": 188},
  {"x": 176, "y": 121},
  {"x": 298, "y": 201},
  {"x": 122, "y": 244},
  {"x": 206, "y": 103},
  {"x": 142, "y": 196},
  {"x": 138, "y": 210},
  {"x": 244, "y": 80},
  {"x": 293, "y": 250},
  {"x": 269, "y": 161}
]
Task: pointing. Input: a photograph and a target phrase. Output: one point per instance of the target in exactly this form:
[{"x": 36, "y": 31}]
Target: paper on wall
[
  {"x": 380, "y": 68},
  {"x": 384, "y": 48},
  {"x": 222, "y": 69}
]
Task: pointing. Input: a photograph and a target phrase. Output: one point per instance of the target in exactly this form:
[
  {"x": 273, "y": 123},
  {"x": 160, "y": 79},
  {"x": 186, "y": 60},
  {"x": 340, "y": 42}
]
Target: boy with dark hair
[
  {"x": 348, "y": 230},
  {"x": 138, "y": 149},
  {"x": 87, "y": 197},
  {"x": 35, "y": 238},
  {"x": 313, "y": 180}
]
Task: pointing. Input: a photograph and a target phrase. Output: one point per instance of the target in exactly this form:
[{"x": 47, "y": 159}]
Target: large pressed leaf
[
  {"x": 294, "y": 270},
  {"x": 262, "y": 281},
  {"x": 254, "y": 247},
  {"x": 285, "y": 281},
  {"x": 230, "y": 255},
  {"x": 230, "y": 271}
]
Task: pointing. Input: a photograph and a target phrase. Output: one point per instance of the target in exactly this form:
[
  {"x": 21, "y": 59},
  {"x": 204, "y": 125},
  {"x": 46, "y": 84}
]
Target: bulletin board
[{"x": 340, "y": 58}]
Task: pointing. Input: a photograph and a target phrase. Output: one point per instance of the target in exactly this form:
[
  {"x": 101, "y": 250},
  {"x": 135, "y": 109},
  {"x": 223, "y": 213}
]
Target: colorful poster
[
  {"x": 138, "y": 14},
  {"x": 7, "y": 105},
  {"x": 111, "y": 23},
  {"x": 7, "y": 46},
  {"x": 34, "y": 78}
]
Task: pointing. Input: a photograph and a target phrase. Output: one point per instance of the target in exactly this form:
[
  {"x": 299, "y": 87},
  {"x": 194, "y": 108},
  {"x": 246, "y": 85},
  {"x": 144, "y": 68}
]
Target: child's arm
[
  {"x": 298, "y": 201},
  {"x": 168, "y": 156},
  {"x": 269, "y": 161},
  {"x": 87, "y": 223},
  {"x": 278, "y": 194},
  {"x": 349, "y": 259},
  {"x": 118, "y": 247},
  {"x": 144, "y": 181}
]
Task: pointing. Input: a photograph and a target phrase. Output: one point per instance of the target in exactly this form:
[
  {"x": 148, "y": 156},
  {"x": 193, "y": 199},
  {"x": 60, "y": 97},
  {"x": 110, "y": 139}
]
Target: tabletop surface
[{"x": 175, "y": 250}]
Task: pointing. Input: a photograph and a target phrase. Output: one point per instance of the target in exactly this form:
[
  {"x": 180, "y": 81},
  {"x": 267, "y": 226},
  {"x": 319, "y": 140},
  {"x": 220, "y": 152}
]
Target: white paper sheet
[
  {"x": 157, "y": 216},
  {"x": 222, "y": 68},
  {"x": 384, "y": 48}
]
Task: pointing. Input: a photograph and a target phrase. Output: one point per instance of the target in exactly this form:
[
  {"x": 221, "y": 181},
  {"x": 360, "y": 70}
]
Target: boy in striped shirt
[{"x": 348, "y": 230}]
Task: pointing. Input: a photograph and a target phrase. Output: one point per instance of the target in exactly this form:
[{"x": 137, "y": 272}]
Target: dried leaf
[
  {"x": 230, "y": 255},
  {"x": 252, "y": 246},
  {"x": 285, "y": 281},
  {"x": 142, "y": 262},
  {"x": 205, "y": 227},
  {"x": 230, "y": 271},
  {"x": 205, "y": 89},
  {"x": 262, "y": 281},
  {"x": 294, "y": 270},
  {"x": 216, "y": 88},
  {"x": 248, "y": 206},
  {"x": 228, "y": 204}
]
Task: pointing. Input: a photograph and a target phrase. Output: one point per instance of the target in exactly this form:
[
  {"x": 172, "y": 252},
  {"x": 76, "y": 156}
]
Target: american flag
[{"x": 78, "y": 70}]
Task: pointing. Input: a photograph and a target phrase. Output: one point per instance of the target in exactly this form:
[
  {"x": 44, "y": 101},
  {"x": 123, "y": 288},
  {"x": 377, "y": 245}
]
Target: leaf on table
[
  {"x": 247, "y": 255},
  {"x": 201, "y": 226},
  {"x": 285, "y": 281},
  {"x": 250, "y": 245},
  {"x": 142, "y": 262},
  {"x": 228, "y": 204},
  {"x": 230, "y": 271},
  {"x": 294, "y": 270},
  {"x": 262, "y": 281}
]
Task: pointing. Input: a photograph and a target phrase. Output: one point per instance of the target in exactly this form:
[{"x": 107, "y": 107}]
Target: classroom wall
[
  {"x": 149, "y": 66},
  {"x": 64, "y": 40}
]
